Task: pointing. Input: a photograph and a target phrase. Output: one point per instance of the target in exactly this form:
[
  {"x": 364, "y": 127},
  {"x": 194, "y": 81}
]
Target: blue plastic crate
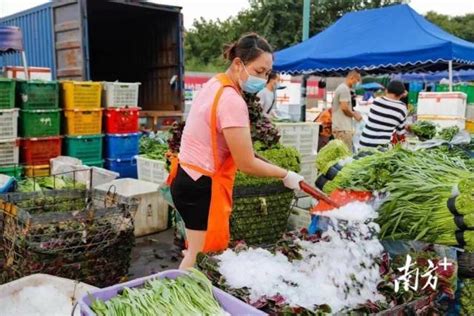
[
  {"x": 126, "y": 167},
  {"x": 121, "y": 145}
]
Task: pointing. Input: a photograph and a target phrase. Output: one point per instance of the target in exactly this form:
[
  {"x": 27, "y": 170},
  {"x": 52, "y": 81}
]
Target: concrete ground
[{"x": 154, "y": 253}]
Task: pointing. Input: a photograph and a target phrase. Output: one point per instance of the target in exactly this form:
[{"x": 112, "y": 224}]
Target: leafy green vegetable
[
  {"x": 424, "y": 130},
  {"x": 189, "y": 294},
  {"x": 419, "y": 184},
  {"x": 48, "y": 183},
  {"x": 153, "y": 147},
  {"x": 448, "y": 133},
  {"x": 285, "y": 157},
  {"x": 467, "y": 297},
  {"x": 330, "y": 154}
]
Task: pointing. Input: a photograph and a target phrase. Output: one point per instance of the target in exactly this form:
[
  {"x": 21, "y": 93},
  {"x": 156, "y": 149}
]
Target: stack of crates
[
  {"x": 121, "y": 125},
  {"x": 39, "y": 128},
  {"x": 9, "y": 143},
  {"x": 83, "y": 121}
]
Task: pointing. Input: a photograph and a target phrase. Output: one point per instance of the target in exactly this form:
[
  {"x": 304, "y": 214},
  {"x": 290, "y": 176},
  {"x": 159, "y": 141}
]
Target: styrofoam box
[
  {"x": 72, "y": 168},
  {"x": 152, "y": 212},
  {"x": 151, "y": 170},
  {"x": 303, "y": 136},
  {"x": 460, "y": 122},
  {"x": 308, "y": 168},
  {"x": 442, "y": 104},
  {"x": 299, "y": 218},
  {"x": 35, "y": 73},
  {"x": 470, "y": 112},
  {"x": 73, "y": 289}
]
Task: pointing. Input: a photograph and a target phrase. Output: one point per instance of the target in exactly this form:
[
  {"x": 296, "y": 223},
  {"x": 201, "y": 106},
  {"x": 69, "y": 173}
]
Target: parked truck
[{"x": 109, "y": 40}]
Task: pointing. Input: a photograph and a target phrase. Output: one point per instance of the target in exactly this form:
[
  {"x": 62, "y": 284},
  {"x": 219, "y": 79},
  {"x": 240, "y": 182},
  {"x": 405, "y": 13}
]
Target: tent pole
[
  {"x": 304, "y": 82},
  {"x": 25, "y": 65},
  {"x": 450, "y": 75}
]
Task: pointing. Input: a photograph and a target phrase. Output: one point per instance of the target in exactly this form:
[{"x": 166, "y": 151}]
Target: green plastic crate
[
  {"x": 98, "y": 163},
  {"x": 40, "y": 123},
  {"x": 442, "y": 88},
  {"x": 86, "y": 148},
  {"x": 12, "y": 171},
  {"x": 467, "y": 89},
  {"x": 413, "y": 98},
  {"x": 7, "y": 93},
  {"x": 36, "y": 94}
]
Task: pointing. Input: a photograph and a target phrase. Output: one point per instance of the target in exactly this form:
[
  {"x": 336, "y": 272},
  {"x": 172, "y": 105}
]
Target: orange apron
[{"x": 218, "y": 231}]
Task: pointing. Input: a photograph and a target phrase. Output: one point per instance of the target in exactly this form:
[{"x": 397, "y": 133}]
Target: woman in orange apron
[{"x": 215, "y": 143}]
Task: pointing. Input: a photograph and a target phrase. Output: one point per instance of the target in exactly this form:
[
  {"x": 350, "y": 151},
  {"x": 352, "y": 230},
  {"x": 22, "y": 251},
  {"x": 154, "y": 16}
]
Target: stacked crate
[
  {"x": 121, "y": 125},
  {"x": 9, "y": 151},
  {"x": 83, "y": 121},
  {"x": 39, "y": 124}
]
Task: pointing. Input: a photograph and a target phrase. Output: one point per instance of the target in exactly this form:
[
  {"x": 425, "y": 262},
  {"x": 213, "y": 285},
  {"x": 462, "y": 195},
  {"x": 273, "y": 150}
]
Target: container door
[{"x": 70, "y": 36}]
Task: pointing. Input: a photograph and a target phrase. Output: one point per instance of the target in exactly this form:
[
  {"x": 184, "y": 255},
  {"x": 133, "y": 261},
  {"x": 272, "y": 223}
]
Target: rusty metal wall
[{"x": 37, "y": 27}]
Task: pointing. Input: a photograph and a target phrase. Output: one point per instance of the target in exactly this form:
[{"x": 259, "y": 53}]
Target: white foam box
[
  {"x": 35, "y": 73},
  {"x": 443, "y": 104},
  {"x": 444, "y": 121},
  {"x": 152, "y": 214}
]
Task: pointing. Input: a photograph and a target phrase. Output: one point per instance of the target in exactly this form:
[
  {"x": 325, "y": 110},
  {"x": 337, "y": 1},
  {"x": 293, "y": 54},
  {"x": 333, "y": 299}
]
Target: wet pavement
[{"x": 154, "y": 253}]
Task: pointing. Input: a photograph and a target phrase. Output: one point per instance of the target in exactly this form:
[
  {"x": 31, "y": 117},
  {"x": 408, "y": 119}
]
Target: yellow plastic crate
[
  {"x": 83, "y": 122},
  {"x": 37, "y": 171},
  {"x": 470, "y": 126},
  {"x": 81, "y": 94}
]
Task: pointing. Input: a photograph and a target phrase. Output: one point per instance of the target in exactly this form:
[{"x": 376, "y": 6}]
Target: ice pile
[
  {"x": 340, "y": 272},
  {"x": 38, "y": 301}
]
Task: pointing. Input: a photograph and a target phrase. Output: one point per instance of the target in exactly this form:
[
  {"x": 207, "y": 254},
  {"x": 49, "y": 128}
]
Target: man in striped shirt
[{"x": 387, "y": 116}]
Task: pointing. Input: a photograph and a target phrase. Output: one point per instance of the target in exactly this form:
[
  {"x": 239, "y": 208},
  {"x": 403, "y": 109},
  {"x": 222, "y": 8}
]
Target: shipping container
[{"x": 109, "y": 40}]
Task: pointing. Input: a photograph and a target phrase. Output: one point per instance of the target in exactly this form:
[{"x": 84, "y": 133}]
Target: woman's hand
[{"x": 293, "y": 180}]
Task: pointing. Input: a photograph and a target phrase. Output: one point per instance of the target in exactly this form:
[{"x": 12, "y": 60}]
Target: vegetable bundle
[
  {"x": 153, "y": 147},
  {"x": 330, "y": 154},
  {"x": 48, "y": 183},
  {"x": 467, "y": 297},
  {"x": 189, "y": 294},
  {"x": 424, "y": 130},
  {"x": 67, "y": 233}
]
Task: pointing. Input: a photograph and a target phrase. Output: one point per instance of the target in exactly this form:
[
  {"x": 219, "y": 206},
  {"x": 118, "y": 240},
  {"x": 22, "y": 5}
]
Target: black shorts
[{"x": 192, "y": 199}]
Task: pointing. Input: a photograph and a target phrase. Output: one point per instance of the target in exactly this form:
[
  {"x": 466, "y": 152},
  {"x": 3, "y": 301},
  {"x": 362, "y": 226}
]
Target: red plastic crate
[
  {"x": 38, "y": 151},
  {"x": 121, "y": 120}
]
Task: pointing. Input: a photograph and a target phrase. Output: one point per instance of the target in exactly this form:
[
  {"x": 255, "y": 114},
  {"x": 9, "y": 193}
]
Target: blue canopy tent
[
  {"x": 392, "y": 39},
  {"x": 458, "y": 76},
  {"x": 11, "y": 41}
]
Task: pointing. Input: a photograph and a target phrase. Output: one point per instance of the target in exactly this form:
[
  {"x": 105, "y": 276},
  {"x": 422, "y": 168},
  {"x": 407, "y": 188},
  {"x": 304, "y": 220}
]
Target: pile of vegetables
[
  {"x": 189, "y": 294},
  {"x": 418, "y": 186},
  {"x": 424, "y": 130},
  {"x": 448, "y": 133},
  {"x": 330, "y": 154},
  {"x": 467, "y": 297},
  {"x": 262, "y": 129},
  {"x": 48, "y": 183},
  {"x": 63, "y": 233},
  {"x": 153, "y": 147}
]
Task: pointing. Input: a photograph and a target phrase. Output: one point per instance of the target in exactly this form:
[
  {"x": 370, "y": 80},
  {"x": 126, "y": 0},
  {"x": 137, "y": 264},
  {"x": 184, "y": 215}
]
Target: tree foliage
[
  {"x": 280, "y": 21},
  {"x": 460, "y": 26}
]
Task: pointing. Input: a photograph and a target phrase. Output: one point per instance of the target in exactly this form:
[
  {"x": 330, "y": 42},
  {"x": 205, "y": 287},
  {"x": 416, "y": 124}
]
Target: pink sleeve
[{"x": 232, "y": 111}]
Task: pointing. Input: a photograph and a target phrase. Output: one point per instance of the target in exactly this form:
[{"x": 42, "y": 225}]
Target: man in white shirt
[
  {"x": 342, "y": 113},
  {"x": 268, "y": 95}
]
